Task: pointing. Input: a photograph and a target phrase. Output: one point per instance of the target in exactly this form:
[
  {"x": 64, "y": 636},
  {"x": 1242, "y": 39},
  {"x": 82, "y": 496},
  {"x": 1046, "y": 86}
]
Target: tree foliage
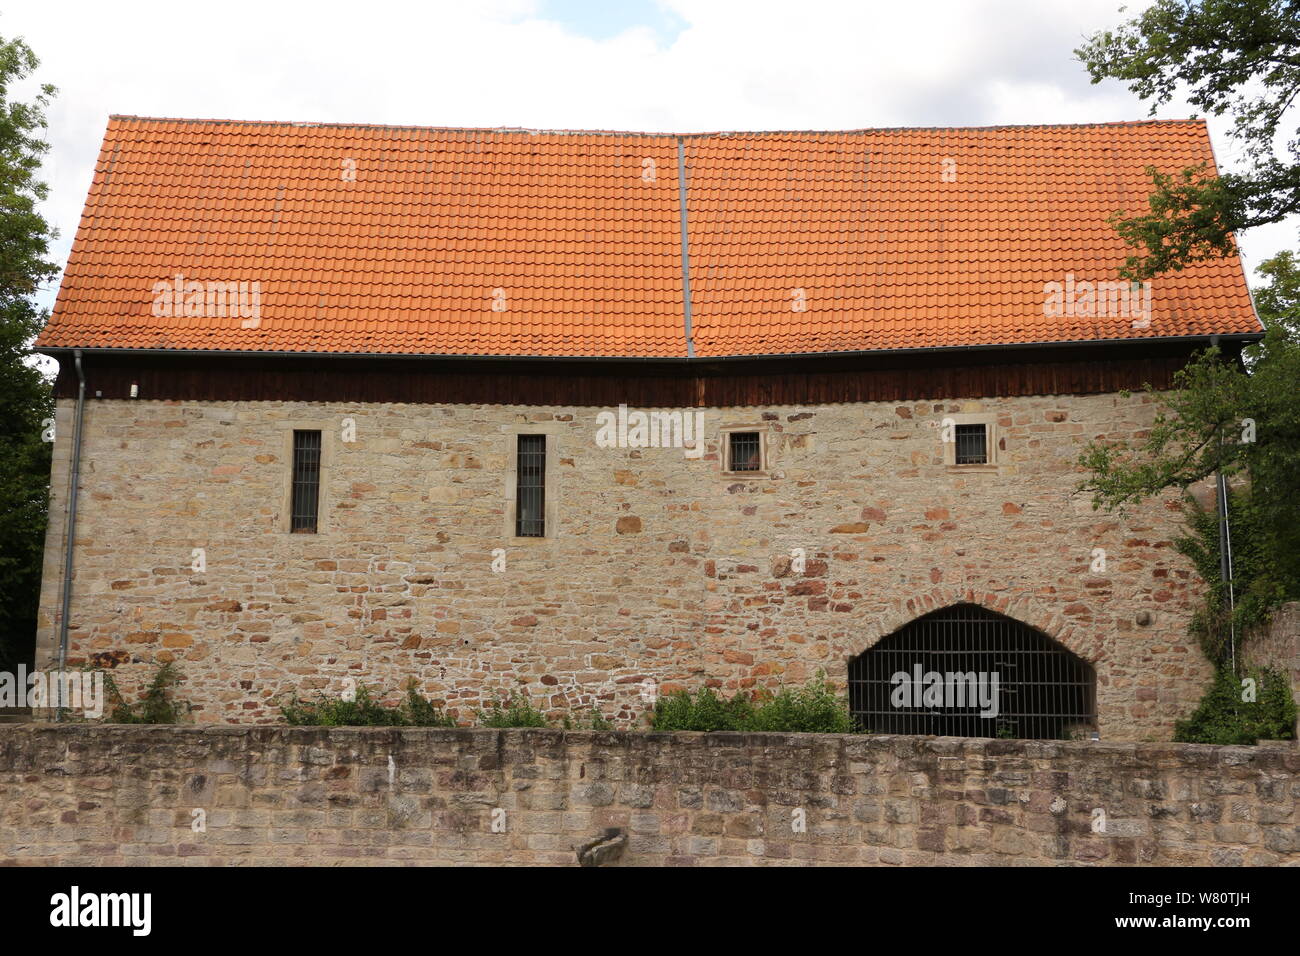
[
  {"x": 1226, "y": 56},
  {"x": 1199, "y": 429},
  {"x": 1242, "y": 419},
  {"x": 1257, "y": 585},
  {"x": 1278, "y": 302},
  {"x": 25, "y": 396}
]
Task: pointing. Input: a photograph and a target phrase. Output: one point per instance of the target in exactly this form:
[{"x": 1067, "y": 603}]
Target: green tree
[
  {"x": 1227, "y": 56},
  {"x": 25, "y": 395},
  {"x": 1278, "y": 302},
  {"x": 1242, "y": 419}
]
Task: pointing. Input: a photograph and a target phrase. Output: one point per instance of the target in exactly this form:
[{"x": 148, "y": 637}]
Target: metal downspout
[{"x": 71, "y": 529}]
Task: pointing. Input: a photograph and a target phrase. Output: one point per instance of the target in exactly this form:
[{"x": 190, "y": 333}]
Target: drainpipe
[
  {"x": 74, "y": 480},
  {"x": 1225, "y": 564},
  {"x": 1225, "y": 537}
]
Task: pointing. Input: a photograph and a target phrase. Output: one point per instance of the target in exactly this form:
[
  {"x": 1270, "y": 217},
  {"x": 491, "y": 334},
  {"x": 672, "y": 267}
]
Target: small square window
[
  {"x": 972, "y": 445},
  {"x": 744, "y": 451}
]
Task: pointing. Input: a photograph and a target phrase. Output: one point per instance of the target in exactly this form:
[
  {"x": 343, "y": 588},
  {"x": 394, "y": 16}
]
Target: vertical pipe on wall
[{"x": 71, "y": 524}]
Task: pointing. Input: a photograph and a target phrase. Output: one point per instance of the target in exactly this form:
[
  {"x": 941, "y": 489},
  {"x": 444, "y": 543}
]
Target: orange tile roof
[{"x": 392, "y": 240}]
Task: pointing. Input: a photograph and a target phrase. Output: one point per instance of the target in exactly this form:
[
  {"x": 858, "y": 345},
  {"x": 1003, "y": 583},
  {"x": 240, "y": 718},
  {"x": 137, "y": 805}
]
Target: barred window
[
  {"x": 530, "y": 487},
  {"x": 972, "y": 445},
  {"x": 306, "y": 482},
  {"x": 744, "y": 452}
]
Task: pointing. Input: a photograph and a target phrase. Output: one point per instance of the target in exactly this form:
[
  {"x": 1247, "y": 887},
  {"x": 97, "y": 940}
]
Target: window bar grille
[
  {"x": 744, "y": 452},
  {"x": 972, "y": 445},
  {"x": 306, "y": 482},
  {"x": 530, "y": 490}
]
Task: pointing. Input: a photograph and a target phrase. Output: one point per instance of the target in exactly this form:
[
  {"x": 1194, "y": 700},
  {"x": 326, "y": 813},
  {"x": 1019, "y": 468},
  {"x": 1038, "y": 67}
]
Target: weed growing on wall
[
  {"x": 157, "y": 705},
  {"x": 594, "y": 720},
  {"x": 362, "y": 710},
  {"x": 812, "y": 709},
  {"x": 514, "y": 712}
]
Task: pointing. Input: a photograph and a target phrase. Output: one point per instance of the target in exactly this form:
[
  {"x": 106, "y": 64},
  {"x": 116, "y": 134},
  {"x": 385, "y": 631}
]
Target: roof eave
[{"x": 1242, "y": 337}]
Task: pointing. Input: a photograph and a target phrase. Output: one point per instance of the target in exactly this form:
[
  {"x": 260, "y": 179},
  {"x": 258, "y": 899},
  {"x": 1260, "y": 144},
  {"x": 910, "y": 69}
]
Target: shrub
[
  {"x": 515, "y": 712},
  {"x": 812, "y": 709},
  {"x": 418, "y": 711},
  {"x": 363, "y": 710},
  {"x": 1224, "y": 718},
  {"x": 156, "y": 705},
  {"x": 704, "y": 710}
]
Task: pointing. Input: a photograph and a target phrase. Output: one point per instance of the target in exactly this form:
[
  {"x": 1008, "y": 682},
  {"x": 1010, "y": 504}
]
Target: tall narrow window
[
  {"x": 306, "y": 482},
  {"x": 530, "y": 489}
]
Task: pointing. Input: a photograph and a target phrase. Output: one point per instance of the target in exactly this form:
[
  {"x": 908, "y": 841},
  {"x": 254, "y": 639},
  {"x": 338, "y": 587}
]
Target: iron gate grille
[{"x": 1042, "y": 692}]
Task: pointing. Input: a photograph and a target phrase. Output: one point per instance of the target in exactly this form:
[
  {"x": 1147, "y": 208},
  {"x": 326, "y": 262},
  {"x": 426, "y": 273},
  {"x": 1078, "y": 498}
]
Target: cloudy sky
[{"x": 655, "y": 65}]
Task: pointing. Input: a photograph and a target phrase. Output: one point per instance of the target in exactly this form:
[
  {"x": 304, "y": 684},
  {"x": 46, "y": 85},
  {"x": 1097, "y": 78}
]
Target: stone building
[{"x": 597, "y": 415}]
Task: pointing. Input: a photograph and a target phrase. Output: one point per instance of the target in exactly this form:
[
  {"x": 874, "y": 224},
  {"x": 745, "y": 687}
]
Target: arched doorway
[{"x": 965, "y": 671}]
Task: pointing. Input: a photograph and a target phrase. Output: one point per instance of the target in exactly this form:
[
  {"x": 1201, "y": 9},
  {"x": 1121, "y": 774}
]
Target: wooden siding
[{"x": 799, "y": 381}]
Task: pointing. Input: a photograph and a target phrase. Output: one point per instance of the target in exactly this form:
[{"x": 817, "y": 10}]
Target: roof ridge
[{"x": 559, "y": 131}]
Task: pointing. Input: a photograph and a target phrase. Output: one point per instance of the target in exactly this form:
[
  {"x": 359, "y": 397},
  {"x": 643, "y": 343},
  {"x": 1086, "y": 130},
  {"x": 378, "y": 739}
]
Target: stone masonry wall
[
  {"x": 114, "y": 795},
  {"x": 658, "y": 566}
]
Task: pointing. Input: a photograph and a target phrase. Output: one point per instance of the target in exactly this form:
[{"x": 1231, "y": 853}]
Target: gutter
[
  {"x": 1245, "y": 338},
  {"x": 71, "y": 524}
]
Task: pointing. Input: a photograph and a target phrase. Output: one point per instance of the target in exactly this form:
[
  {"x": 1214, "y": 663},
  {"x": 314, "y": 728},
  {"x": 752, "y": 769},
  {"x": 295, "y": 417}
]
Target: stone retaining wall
[{"x": 96, "y": 794}]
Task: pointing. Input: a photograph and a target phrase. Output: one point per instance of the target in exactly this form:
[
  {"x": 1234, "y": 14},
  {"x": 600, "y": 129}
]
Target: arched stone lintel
[{"x": 1022, "y": 607}]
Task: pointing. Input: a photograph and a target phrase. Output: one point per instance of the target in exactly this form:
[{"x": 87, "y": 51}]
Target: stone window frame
[
  {"x": 764, "y": 450},
  {"x": 990, "y": 422},
  {"x": 325, "y": 497},
  {"x": 551, "y": 510}
]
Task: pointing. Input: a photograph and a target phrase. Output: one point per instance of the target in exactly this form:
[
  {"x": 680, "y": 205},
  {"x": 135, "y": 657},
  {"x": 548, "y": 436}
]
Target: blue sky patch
[{"x": 601, "y": 19}]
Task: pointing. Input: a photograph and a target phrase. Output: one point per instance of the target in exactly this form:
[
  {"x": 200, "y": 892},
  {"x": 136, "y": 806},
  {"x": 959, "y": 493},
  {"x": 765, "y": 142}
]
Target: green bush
[
  {"x": 415, "y": 710},
  {"x": 157, "y": 705},
  {"x": 418, "y": 711},
  {"x": 812, "y": 709},
  {"x": 704, "y": 710},
  {"x": 515, "y": 712},
  {"x": 1224, "y": 718}
]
